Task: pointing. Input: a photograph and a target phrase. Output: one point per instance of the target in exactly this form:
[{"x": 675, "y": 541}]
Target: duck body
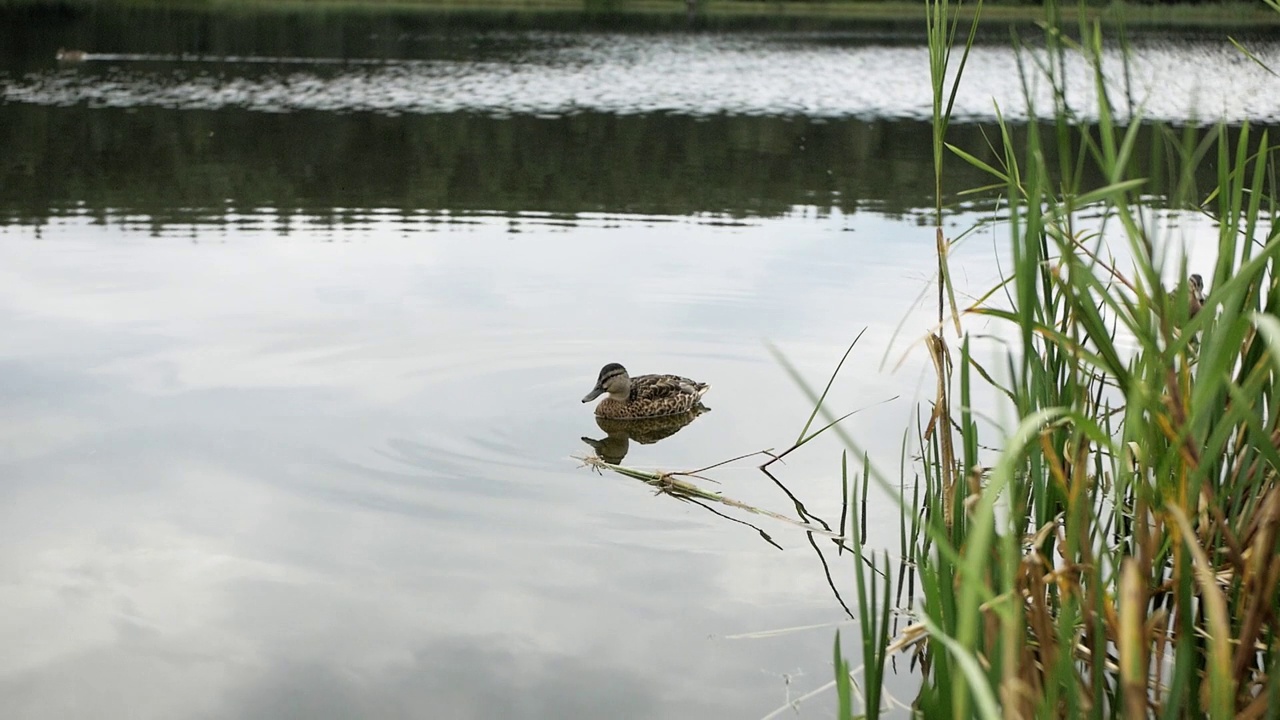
[{"x": 644, "y": 396}]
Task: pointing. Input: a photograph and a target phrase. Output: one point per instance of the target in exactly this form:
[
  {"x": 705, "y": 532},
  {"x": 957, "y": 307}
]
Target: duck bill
[{"x": 597, "y": 392}]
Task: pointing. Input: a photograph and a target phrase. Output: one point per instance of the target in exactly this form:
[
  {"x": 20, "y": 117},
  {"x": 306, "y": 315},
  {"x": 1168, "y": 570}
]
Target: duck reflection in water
[{"x": 619, "y": 433}]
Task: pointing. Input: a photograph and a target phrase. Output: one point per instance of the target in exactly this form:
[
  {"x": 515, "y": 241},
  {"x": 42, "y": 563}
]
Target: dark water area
[
  {"x": 299, "y": 309},
  {"x": 206, "y": 163},
  {"x": 391, "y": 33},
  {"x": 380, "y": 33},
  {"x": 203, "y": 166}
]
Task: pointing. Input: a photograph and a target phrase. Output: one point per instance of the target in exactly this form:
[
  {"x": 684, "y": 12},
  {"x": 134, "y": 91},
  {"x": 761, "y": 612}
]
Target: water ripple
[{"x": 701, "y": 75}]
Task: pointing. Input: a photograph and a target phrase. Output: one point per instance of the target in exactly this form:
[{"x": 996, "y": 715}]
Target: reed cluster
[{"x": 1114, "y": 549}]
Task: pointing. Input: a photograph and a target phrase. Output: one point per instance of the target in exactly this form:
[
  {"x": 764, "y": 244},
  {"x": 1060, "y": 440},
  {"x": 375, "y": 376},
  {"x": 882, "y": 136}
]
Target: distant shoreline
[{"x": 1241, "y": 15}]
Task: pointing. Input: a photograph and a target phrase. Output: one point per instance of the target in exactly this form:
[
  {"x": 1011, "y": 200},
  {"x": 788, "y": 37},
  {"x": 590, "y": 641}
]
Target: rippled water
[
  {"x": 815, "y": 75},
  {"x": 286, "y": 460}
]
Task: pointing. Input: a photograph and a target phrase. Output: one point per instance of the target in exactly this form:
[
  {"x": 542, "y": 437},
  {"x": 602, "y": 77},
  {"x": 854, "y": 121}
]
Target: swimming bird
[
  {"x": 1195, "y": 295},
  {"x": 71, "y": 56},
  {"x": 644, "y": 396}
]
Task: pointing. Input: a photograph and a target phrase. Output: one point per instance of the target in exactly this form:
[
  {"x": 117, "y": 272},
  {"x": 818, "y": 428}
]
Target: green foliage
[{"x": 1118, "y": 554}]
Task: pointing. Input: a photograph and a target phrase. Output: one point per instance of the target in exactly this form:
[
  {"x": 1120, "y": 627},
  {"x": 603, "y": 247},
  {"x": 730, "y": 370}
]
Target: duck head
[{"x": 613, "y": 380}]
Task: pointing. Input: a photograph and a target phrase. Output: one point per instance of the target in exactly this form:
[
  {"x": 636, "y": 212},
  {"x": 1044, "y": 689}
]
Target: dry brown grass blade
[
  {"x": 1262, "y": 576},
  {"x": 1133, "y": 640},
  {"x": 940, "y": 422},
  {"x": 671, "y": 483},
  {"x": 1041, "y": 649},
  {"x": 1221, "y": 683},
  {"x": 944, "y": 281}
]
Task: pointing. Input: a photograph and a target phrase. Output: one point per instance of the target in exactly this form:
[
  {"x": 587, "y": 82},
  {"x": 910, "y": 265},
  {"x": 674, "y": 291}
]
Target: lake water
[{"x": 299, "y": 310}]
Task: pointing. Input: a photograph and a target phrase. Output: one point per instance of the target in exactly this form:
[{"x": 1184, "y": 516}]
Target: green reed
[{"x": 1116, "y": 552}]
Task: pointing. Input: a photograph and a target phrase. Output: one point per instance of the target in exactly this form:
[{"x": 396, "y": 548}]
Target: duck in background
[{"x": 1195, "y": 295}]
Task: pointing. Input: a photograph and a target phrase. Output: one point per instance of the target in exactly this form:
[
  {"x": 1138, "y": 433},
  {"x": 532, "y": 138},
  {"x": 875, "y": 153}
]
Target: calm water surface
[
  {"x": 294, "y": 354},
  {"x": 289, "y": 476}
]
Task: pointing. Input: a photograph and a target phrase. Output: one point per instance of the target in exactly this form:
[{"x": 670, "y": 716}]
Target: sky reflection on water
[{"x": 279, "y": 477}]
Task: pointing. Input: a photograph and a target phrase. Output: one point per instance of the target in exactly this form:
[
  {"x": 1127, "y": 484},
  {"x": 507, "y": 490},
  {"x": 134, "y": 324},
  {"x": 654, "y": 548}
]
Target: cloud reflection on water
[
  {"x": 288, "y": 478},
  {"x": 248, "y": 471}
]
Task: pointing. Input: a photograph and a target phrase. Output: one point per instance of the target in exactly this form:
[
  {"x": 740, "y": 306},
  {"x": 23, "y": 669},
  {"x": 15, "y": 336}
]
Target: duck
[
  {"x": 644, "y": 396},
  {"x": 71, "y": 56},
  {"x": 1195, "y": 295}
]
